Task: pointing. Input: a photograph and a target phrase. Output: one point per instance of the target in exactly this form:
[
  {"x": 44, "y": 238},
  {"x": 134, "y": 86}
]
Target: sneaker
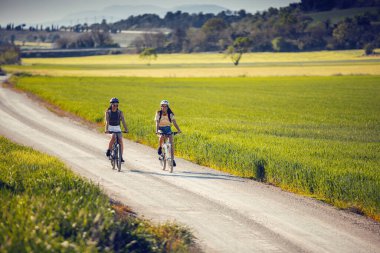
[
  {"x": 174, "y": 164},
  {"x": 159, "y": 150},
  {"x": 108, "y": 153}
]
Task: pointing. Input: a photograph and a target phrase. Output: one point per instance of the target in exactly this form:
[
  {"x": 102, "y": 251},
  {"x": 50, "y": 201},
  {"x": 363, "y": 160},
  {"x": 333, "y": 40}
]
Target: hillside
[{"x": 336, "y": 15}]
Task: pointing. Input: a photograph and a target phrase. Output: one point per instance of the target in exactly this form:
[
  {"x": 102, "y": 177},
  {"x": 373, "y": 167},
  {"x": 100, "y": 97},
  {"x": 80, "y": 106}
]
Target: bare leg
[
  {"x": 161, "y": 140},
  {"x": 112, "y": 141},
  {"x": 172, "y": 145},
  {"x": 121, "y": 145}
]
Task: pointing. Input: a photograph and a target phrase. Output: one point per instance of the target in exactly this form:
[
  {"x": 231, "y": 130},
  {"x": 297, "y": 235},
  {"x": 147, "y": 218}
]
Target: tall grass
[
  {"x": 46, "y": 208},
  {"x": 316, "y": 135}
]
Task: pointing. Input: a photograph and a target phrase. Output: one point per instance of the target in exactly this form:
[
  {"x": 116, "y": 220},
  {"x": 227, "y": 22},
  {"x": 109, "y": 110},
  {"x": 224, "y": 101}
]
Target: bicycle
[
  {"x": 116, "y": 154},
  {"x": 167, "y": 157}
]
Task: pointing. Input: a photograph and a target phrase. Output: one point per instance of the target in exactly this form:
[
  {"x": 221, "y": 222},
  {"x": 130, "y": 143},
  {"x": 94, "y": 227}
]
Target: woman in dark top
[{"x": 113, "y": 117}]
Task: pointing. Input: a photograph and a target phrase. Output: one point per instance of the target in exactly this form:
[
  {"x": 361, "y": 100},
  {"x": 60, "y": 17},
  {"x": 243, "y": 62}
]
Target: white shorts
[{"x": 114, "y": 128}]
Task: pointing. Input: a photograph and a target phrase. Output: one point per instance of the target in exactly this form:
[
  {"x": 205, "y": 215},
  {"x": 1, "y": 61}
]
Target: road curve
[{"x": 226, "y": 213}]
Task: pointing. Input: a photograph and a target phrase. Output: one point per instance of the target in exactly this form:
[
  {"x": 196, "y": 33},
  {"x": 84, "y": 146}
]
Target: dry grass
[
  {"x": 323, "y": 63},
  {"x": 206, "y": 58}
]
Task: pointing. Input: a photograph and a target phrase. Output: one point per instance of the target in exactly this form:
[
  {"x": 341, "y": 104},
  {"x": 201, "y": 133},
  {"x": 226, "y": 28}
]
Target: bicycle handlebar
[
  {"x": 172, "y": 133},
  {"x": 112, "y": 132}
]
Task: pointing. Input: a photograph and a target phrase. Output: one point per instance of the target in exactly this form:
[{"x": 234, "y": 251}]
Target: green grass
[
  {"x": 315, "y": 135},
  {"x": 46, "y": 208}
]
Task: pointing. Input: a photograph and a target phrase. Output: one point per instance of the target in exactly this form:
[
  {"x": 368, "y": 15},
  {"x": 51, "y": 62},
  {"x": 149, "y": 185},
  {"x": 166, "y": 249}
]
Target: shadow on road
[{"x": 188, "y": 174}]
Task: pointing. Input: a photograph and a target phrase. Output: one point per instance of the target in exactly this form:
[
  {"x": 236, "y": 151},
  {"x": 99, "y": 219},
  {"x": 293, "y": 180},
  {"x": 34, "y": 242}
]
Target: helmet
[
  {"x": 114, "y": 100},
  {"x": 164, "y": 102}
]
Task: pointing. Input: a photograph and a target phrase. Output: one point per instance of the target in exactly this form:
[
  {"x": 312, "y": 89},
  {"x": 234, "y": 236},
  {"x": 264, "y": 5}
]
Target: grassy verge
[
  {"x": 46, "y": 208},
  {"x": 315, "y": 135}
]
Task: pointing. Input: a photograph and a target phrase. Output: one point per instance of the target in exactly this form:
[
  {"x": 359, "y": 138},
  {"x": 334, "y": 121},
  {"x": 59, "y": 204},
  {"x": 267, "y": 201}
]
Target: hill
[{"x": 338, "y": 15}]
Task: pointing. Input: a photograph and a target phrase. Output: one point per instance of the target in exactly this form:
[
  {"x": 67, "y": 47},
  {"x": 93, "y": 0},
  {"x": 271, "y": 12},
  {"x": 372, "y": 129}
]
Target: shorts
[
  {"x": 165, "y": 130},
  {"x": 115, "y": 129}
]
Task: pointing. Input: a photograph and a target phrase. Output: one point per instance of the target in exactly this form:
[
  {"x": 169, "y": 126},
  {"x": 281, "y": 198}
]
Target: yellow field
[
  {"x": 207, "y": 58},
  {"x": 323, "y": 63}
]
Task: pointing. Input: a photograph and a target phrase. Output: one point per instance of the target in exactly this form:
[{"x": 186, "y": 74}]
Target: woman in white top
[{"x": 164, "y": 118}]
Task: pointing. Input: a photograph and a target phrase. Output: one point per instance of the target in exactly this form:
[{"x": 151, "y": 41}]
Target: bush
[
  {"x": 9, "y": 54},
  {"x": 369, "y": 49}
]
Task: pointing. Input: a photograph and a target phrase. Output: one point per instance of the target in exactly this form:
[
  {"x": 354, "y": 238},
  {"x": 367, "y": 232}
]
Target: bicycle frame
[
  {"x": 115, "y": 152},
  {"x": 167, "y": 156}
]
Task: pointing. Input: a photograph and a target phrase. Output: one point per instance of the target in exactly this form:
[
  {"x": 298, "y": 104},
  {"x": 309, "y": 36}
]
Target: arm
[
  {"x": 107, "y": 120},
  {"x": 123, "y": 121},
  {"x": 157, "y": 122},
  {"x": 176, "y": 126}
]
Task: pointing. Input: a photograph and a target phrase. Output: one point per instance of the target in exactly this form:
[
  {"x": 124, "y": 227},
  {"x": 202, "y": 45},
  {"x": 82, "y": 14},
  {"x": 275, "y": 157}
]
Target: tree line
[
  {"x": 325, "y": 5},
  {"x": 285, "y": 29}
]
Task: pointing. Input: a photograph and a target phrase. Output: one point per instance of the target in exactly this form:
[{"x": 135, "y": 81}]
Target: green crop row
[
  {"x": 316, "y": 135},
  {"x": 46, "y": 208}
]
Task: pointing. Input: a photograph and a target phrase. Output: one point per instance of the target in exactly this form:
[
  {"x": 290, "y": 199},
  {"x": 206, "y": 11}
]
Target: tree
[
  {"x": 281, "y": 44},
  {"x": 102, "y": 39},
  {"x": 148, "y": 54},
  {"x": 9, "y": 54},
  {"x": 238, "y": 48},
  {"x": 346, "y": 34},
  {"x": 215, "y": 30}
]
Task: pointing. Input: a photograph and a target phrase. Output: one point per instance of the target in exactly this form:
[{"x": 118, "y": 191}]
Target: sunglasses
[
  {"x": 115, "y": 105},
  {"x": 164, "y": 106}
]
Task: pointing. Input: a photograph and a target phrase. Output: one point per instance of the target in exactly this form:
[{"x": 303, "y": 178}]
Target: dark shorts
[{"x": 165, "y": 130}]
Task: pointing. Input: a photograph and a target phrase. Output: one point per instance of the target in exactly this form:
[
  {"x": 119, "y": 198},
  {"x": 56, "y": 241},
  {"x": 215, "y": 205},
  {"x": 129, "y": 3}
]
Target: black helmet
[{"x": 114, "y": 100}]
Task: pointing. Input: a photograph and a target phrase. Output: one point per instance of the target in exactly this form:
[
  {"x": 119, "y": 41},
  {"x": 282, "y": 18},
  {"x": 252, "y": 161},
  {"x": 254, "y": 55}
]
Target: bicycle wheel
[
  {"x": 163, "y": 161},
  {"x": 170, "y": 159},
  {"x": 162, "y": 158},
  {"x": 113, "y": 157},
  {"x": 118, "y": 157}
]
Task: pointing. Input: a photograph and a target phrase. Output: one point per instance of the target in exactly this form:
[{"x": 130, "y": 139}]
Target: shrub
[
  {"x": 9, "y": 54},
  {"x": 369, "y": 49}
]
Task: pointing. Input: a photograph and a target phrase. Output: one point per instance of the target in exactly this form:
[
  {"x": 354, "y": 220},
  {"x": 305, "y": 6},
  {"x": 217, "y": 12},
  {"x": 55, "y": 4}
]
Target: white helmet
[{"x": 164, "y": 102}]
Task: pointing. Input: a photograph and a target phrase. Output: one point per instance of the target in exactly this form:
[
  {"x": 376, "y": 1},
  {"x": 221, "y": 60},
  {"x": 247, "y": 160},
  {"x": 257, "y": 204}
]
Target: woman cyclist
[
  {"x": 113, "y": 117},
  {"x": 164, "y": 118}
]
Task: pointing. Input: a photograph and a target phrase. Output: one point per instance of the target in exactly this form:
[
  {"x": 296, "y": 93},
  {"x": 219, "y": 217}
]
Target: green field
[
  {"x": 46, "y": 208},
  {"x": 315, "y": 135}
]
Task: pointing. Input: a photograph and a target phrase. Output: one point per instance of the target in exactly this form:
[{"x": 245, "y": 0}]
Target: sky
[{"x": 40, "y": 11}]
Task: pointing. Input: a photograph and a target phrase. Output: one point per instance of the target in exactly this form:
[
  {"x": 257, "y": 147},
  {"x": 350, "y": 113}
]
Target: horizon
[{"x": 40, "y": 11}]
